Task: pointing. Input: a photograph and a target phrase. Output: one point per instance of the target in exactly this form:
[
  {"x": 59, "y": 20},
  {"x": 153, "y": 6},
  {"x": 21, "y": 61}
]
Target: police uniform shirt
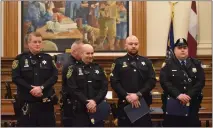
[
  {"x": 87, "y": 82},
  {"x": 36, "y": 70},
  {"x": 132, "y": 75},
  {"x": 175, "y": 80},
  {"x": 72, "y": 61}
]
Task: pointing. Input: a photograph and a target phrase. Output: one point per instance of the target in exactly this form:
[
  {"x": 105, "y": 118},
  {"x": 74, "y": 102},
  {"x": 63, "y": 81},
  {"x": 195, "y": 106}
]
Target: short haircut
[
  {"x": 28, "y": 36},
  {"x": 77, "y": 42}
]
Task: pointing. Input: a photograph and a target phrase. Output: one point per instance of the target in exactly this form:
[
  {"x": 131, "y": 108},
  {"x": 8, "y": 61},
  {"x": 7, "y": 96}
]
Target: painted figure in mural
[
  {"x": 37, "y": 14},
  {"x": 107, "y": 22},
  {"x": 93, "y": 13},
  {"x": 121, "y": 26}
]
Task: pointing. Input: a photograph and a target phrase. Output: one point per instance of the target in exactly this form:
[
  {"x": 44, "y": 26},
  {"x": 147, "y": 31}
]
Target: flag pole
[{"x": 170, "y": 53}]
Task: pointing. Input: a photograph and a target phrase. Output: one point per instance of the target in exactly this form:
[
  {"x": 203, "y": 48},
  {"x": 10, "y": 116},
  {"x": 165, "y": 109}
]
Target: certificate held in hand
[
  {"x": 174, "y": 107},
  {"x": 102, "y": 112},
  {"x": 136, "y": 113}
]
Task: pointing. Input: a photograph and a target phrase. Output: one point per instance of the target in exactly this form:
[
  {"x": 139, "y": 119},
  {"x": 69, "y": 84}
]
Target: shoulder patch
[
  {"x": 69, "y": 72},
  {"x": 54, "y": 63},
  {"x": 163, "y": 65},
  {"x": 15, "y": 64},
  {"x": 105, "y": 73},
  {"x": 153, "y": 67},
  {"x": 113, "y": 66}
]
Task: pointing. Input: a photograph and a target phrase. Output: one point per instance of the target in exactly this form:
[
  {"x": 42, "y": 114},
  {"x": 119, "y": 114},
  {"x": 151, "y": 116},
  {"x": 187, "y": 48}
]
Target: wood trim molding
[
  {"x": 11, "y": 26},
  {"x": 139, "y": 24}
]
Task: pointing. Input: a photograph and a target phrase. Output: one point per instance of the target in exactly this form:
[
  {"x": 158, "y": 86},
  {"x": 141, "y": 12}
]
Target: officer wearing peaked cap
[
  {"x": 35, "y": 74},
  {"x": 182, "y": 78}
]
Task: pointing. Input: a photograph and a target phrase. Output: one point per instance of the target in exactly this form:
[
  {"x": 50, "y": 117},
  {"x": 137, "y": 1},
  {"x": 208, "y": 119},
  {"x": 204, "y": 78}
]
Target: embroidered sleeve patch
[
  {"x": 153, "y": 67},
  {"x": 15, "y": 64},
  {"x": 69, "y": 72},
  {"x": 105, "y": 73},
  {"x": 163, "y": 65},
  {"x": 54, "y": 63},
  {"x": 113, "y": 66}
]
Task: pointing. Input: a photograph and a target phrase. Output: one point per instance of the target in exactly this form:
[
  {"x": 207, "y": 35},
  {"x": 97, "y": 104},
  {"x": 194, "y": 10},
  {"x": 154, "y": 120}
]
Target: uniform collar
[
  {"x": 187, "y": 61},
  {"x": 31, "y": 55},
  {"x": 182, "y": 61},
  {"x": 131, "y": 57},
  {"x": 73, "y": 58}
]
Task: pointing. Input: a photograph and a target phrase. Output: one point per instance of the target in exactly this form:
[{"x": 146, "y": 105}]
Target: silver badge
[
  {"x": 194, "y": 70},
  {"x": 190, "y": 80},
  {"x": 96, "y": 71},
  {"x": 80, "y": 71},
  {"x": 26, "y": 63},
  {"x": 124, "y": 64},
  {"x": 143, "y": 63},
  {"x": 44, "y": 62}
]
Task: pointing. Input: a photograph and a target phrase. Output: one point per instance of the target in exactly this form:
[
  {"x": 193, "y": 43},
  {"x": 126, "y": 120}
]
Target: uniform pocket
[{"x": 97, "y": 82}]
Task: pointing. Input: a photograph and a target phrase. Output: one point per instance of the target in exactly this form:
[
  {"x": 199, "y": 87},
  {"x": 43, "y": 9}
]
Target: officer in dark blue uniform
[
  {"x": 132, "y": 78},
  {"x": 87, "y": 85},
  {"x": 182, "y": 78},
  {"x": 34, "y": 74},
  {"x": 66, "y": 108}
]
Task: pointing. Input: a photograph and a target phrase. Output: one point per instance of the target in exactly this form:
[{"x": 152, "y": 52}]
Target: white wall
[{"x": 158, "y": 21}]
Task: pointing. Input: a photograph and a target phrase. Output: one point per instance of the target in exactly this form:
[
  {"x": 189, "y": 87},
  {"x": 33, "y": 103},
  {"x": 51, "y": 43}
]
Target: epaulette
[
  {"x": 195, "y": 61},
  {"x": 166, "y": 62},
  {"x": 20, "y": 55}
]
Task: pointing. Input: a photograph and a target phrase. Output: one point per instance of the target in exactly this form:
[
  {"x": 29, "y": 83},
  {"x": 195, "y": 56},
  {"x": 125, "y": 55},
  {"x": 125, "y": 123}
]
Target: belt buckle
[{"x": 45, "y": 100}]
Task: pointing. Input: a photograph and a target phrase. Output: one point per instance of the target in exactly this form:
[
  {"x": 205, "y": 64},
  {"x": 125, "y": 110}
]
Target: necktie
[{"x": 183, "y": 64}]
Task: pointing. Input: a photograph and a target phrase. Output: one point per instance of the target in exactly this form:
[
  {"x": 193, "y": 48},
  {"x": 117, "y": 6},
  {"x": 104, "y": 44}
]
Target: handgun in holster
[
  {"x": 114, "y": 109},
  {"x": 164, "y": 101},
  {"x": 53, "y": 99},
  {"x": 17, "y": 105},
  {"x": 61, "y": 99}
]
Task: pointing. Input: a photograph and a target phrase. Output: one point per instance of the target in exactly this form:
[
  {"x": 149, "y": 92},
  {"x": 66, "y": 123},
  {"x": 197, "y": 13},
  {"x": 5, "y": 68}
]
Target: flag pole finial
[{"x": 173, "y": 8}]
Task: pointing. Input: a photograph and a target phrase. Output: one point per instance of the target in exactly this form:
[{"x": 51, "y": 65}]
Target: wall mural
[{"x": 103, "y": 24}]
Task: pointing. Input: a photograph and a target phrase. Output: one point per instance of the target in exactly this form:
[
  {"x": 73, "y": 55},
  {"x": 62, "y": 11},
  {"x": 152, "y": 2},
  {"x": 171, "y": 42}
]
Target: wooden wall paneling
[
  {"x": 139, "y": 24},
  {"x": 106, "y": 64},
  {"x": 10, "y": 28}
]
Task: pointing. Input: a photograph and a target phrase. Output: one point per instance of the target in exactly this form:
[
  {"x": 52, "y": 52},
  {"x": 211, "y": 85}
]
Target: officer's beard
[{"x": 133, "y": 54}]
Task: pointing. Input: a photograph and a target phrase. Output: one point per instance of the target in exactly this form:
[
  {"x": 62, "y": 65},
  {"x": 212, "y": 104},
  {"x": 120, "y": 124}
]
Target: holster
[
  {"x": 17, "y": 105},
  {"x": 164, "y": 101},
  {"x": 54, "y": 99}
]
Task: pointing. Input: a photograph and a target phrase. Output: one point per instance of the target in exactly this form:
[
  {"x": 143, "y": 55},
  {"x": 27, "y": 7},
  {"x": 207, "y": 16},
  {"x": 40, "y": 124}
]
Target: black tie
[{"x": 183, "y": 64}]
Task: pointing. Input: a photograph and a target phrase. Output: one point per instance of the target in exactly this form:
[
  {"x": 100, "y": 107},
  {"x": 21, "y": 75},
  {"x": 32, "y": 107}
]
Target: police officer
[
  {"x": 87, "y": 84},
  {"x": 132, "y": 77},
  {"x": 182, "y": 78},
  {"x": 66, "y": 98},
  {"x": 34, "y": 74}
]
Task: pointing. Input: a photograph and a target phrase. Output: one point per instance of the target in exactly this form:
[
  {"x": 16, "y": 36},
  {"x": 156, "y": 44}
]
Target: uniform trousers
[{"x": 38, "y": 115}]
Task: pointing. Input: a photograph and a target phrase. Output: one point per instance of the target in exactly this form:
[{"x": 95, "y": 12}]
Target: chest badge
[
  {"x": 26, "y": 63},
  {"x": 44, "y": 62},
  {"x": 80, "y": 73},
  {"x": 194, "y": 70},
  {"x": 96, "y": 71},
  {"x": 143, "y": 63},
  {"x": 124, "y": 64}
]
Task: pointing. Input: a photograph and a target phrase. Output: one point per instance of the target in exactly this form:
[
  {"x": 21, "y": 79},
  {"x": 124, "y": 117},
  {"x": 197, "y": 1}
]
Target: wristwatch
[
  {"x": 42, "y": 88},
  {"x": 139, "y": 94}
]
